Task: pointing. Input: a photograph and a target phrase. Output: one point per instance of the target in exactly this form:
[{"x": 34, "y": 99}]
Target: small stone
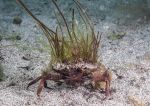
[
  {"x": 18, "y": 37},
  {"x": 11, "y": 84},
  {"x": 31, "y": 78},
  {"x": 135, "y": 101},
  {"x": 113, "y": 90},
  {"x": 119, "y": 77},
  {"x": 1, "y": 37},
  {"x": 17, "y": 20},
  {"x": 26, "y": 57},
  {"x": 26, "y": 67}
]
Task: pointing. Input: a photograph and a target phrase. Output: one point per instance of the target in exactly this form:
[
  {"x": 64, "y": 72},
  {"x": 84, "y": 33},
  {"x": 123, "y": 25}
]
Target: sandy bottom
[{"x": 128, "y": 58}]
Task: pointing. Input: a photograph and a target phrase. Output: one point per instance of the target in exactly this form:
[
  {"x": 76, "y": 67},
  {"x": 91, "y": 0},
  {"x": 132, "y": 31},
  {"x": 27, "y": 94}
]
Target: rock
[
  {"x": 26, "y": 67},
  {"x": 17, "y": 20},
  {"x": 18, "y": 37},
  {"x": 135, "y": 101},
  {"x": 1, "y": 37},
  {"x": 119, "y": 76},
  {"x": 26, "y": 57},
  {"x": 11, "y": 84}
]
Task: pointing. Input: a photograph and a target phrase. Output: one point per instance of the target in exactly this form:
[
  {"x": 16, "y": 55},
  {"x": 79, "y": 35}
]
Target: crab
[
  {"x": 76, "y": 75},
  {"x": 78, "y": 55}
]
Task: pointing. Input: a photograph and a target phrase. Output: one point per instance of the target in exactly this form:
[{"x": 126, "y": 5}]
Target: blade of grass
[
  {"x": 79, "y": 6},
  {"x": 73, "y": 26},
  {"x": 29, "y": 12},
  {"x": 63, "y": 18}
]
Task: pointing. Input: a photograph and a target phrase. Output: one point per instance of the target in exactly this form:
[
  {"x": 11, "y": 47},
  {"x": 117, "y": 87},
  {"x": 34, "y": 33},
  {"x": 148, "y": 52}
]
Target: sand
[{"x": 128, "y": 58}]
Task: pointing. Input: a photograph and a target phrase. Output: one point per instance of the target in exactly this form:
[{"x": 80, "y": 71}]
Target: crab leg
[
  {"x": 43, "y": 82},
  {"x": 34, "y": 81},
  {"x": 41, "y": 86},
  {"x": 107, "y": 89}
]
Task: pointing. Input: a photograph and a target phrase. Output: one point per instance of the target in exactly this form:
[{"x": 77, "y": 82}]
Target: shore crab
[
  {"x": 75, "y": 52},
  {"x": 76, "y": 75}
]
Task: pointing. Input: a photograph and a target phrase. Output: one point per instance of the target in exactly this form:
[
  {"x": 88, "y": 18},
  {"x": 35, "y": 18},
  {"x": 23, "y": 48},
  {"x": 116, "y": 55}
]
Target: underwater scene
[{"x": 74, "y": 52}]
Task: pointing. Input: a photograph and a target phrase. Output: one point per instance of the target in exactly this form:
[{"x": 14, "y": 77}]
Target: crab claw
[{"x": 102, "y": 76}]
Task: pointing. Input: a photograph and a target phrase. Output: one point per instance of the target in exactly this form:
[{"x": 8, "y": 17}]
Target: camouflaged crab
[
  {"x": 74, "y": 54},
  {"x": 76, "y": 75}
]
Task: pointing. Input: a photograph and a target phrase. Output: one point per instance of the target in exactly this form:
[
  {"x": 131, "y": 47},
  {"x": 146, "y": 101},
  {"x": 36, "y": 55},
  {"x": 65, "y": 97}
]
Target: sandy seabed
[{"x": 128, "y": 58}]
